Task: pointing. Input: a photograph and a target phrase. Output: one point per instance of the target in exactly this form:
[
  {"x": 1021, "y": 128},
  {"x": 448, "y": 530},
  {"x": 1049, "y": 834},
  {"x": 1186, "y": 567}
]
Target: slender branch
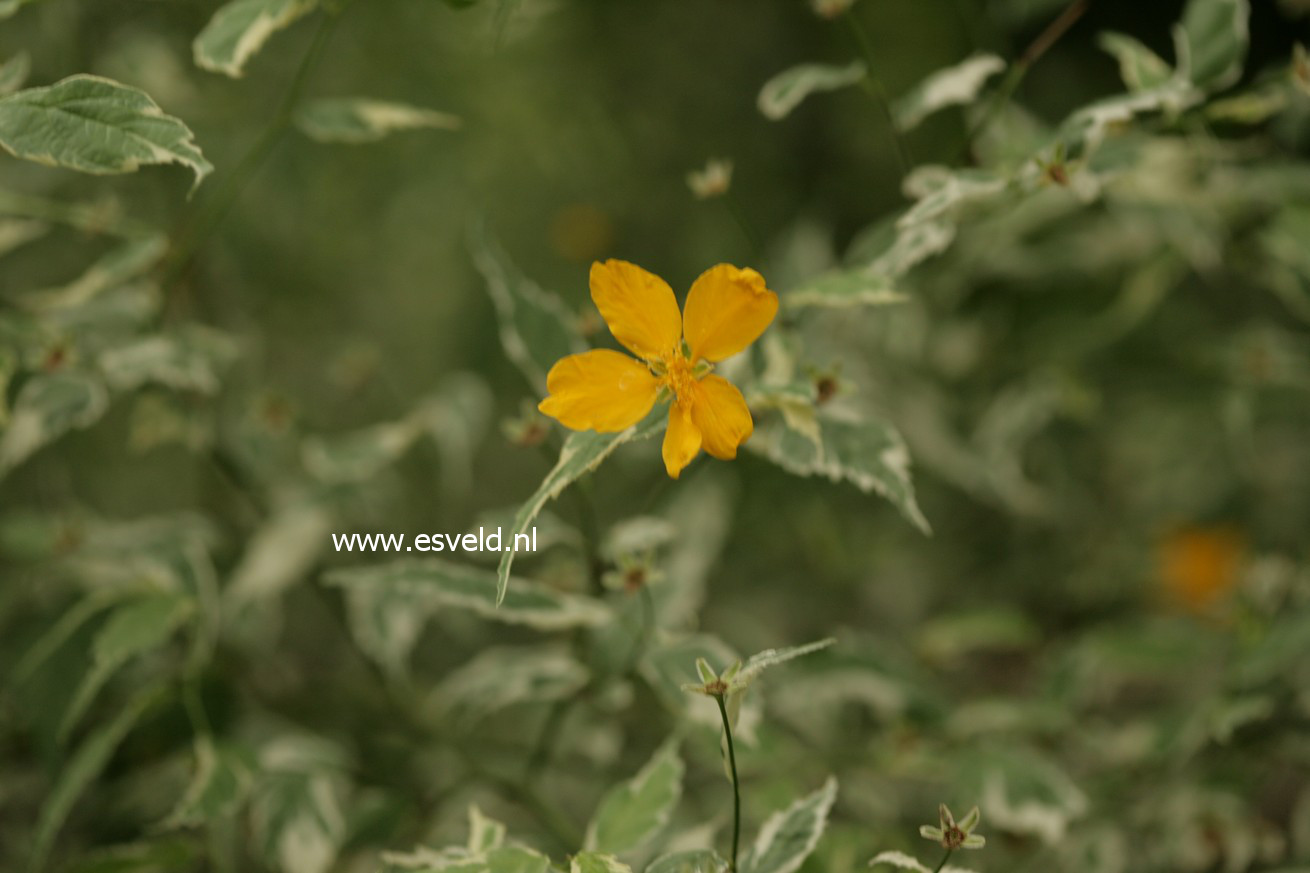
[
  {"x": 211, "y": 215},
  {"x": 942, "y": 862},
  {"x": 736, "y": 785},
  {"x": 875, "y": 88},
  {"x": 1019, "y": 69}
]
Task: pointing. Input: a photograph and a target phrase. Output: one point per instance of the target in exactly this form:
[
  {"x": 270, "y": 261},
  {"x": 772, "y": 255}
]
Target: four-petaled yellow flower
[{"x": 607, "y": 391}]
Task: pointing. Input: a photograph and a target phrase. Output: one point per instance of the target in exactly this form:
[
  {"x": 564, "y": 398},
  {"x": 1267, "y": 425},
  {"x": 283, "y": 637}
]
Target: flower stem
[
  {"x": 744, "y": 224},
  {"x": 1038, "y": 47},
  {"x": 942, "y": 862},
  {"x": 211, "y": 215},
  {"x": 876, "y": 90},
  {"x": 736, "y": 784}
]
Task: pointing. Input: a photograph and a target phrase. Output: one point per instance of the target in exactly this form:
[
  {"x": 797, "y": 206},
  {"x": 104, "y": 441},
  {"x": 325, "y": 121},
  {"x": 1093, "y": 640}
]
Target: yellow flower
[{"x": 606, "y": 391}]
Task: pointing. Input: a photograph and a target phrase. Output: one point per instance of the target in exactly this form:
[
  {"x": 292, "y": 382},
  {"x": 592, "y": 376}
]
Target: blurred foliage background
[{"x": 1098, "y": 363}]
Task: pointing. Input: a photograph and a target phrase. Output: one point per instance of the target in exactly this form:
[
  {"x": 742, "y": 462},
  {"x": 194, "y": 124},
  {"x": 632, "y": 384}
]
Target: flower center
[{"x": 679, "y": 375}]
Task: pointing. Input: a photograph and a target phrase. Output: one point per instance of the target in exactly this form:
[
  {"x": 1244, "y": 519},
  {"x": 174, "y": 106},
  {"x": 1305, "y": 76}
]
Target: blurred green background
[{"x": 1104, "y": 401}]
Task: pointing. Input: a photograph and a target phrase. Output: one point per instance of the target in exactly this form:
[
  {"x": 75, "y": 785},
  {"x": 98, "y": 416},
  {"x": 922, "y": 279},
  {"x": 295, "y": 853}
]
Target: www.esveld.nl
[{"x": 468, "y": 542}]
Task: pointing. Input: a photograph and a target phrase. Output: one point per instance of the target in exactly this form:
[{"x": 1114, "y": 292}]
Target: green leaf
[
  {"x": 906, "y": 862},
  {"x": 190, "y": 359},
  {"x": 1212, "y": 40},
  {"x": 485, "y": 834},
  {"x": 9, "y": 7},
  {"x": 500, "y": 677},
  {"x": 953, "y": 86},
  {"x": 761, "y": 661},
  {"x": 869, "y": 454},
  {"x": 13, "y": 72},
  {"x": 583, "y": 452},
  {"x": 83, "y": 768},
  {"x": 279, "y": 553},
  {"x": 435, "y": 582},
  {"x": 95, "y": 125},
  {"x": 132, "y": 629},
  {"x": 840, "y": 288},
  {"x": 223, "y": 778},
  {"x": 354, "y": 121},
  {"x": 535, "y": 327},
  {"x": 60, "y": 632},
  {"x": 17, "y": 232},
  {"x": 632, "y": 814},
  {"x": 788, "y": 837},
  {"x": 785, "y": 91},
  {"x": 691, "y": 861},
  {"x": 240, "y": 29},
  {"x": 48, "y": 406},
  {"x": 125, "y": 261},
  {"x": 1139, "y": 67},
  {"x": 155, "y": 856},
  {"x": 597, "y": 862}
]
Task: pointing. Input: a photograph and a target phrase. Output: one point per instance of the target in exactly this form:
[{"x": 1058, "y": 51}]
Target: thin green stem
[
  {"x": 736, "y": 784},
  {"x": 1019, "y": 69},
  {"x": 942, "y": 862},
  {"x": 743, "y": 223},
  {"x": 211, "y": 215},
  {"x": 584, "y": 495},
  {"x": 875, "y": 88}
]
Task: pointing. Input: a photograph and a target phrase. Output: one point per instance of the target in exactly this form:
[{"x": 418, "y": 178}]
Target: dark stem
[
  {"x": 736, "y": 785},
  {"x": 208, "y": 218},
  {"x": 876, "y": 90},
  {"x": 1038, "y": 47},
  {"x": 942, "y": 862}
]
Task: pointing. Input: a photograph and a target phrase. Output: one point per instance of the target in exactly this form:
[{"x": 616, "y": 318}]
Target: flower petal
[
  {"x": 727, "y": 310},
  {"x": 681, "y": 440},
  {"x": 600, "y": 390},
  {"x": 639, "y": 308},
  {"x": 720, "y": 414}
]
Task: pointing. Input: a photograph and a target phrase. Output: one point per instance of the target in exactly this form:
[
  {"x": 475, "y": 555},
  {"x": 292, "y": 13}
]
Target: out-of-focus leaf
[
  {"x": 132, "y": 629},
  {"x": 632, "y": 813},
  {"x": 597, "y": 862},
  {"x": 189, "y": 360},
  {"x": 223, "y": 778},
  {"x": 942, "y": 192},
  {"x": 240, "y": 28},
  {"x": 785, "y": 91},
  {"x": 83, "y": 768},
  {"x": 700, "y": 514},
  {"x": 690, "y": 861},
  {"x": 535, "y": 327},
  {"x": 48, "y": 406},
  {"x": 125, "y": 261},
  {"x": 903, "y": 861},
  {"x": 444, "y": 583},
  {"x": 501, "y": 677},
  {"x": 16, "y": 232},
  {"x": 13, "y": 72},
  {"x": 959, "y": 635},
  {"x": 1212, "y": 41},
  {"x": 485, "y": 834},
  {"x": 95, "y": 125},
  {"x": 359, "y": 120},
  {"x": 787, "y": 837},
  {"x": 296, "y": 808},
  {"x": 153, "y": 856},
  {"x": 279, "y": 553},
  {"x": 1139, "y": 67},
  {"x": 869, "y": 454},
  {"x": 953, "y": 86},
  {"x": 583, "y": 452}
]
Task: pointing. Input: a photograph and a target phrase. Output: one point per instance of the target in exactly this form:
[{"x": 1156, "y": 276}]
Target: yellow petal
[
  {"x": 720, "y": 414},
  {"x": 727, "y": 310},
  {"x": 638, "y": 306},
  {"x": 600, "y": 390},
  {"x": 681, "y": 440}
]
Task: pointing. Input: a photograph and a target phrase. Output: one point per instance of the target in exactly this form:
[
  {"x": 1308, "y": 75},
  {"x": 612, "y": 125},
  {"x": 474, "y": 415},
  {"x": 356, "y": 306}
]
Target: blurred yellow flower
[
  {"x": 727, "y": 310},
  {"x": 1198, "y": 565}
]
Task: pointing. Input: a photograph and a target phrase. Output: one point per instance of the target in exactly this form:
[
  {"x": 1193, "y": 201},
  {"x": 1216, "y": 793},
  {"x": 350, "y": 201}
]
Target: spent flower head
[
  {"x": 950, "y": 835},
  {"x": 713, "y": 181}
]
